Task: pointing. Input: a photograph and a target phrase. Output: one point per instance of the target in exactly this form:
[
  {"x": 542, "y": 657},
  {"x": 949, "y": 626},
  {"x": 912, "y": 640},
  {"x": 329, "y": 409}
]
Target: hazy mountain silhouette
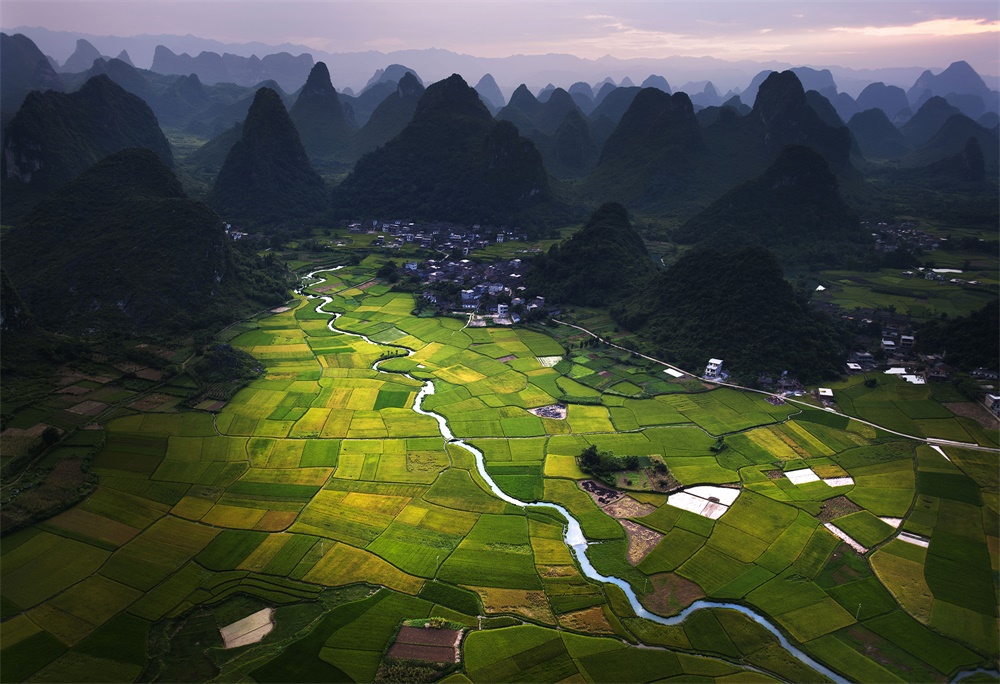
[
  {"x": 490, "y": 92},
  {"x": 890, "y": 99},
  {"x": 289, "y": 71},
  {"x": 319, "y": 116},
  {"x": 359, "y": 108},
  {"x": 794, "y": 209},
  {"x": 788, "y": 118},
  {"x": 389, "y": 118},
  {"x": 952, "y": 139},
  {"x": 23, "y": 68},
  {"x": 207, "y": 160},
  {"x": 583, "y": 95},
  {"x": 55, "y": 136},
  {"x": 452, "y": 162},
  {"x": 267, "y": 177},
  {"x": 659, "y": 158},
  {"x": 650, "y": 154},
  {"x": 603, "y": 91},
  {"x": 654, "y": 81},
  {"x": 876, "y": 136},
  {"x": 615, "y": 103},
  {"x": 958, "y": 78},
  {"x": 927, "y": 121},
  {"x": 82, "y": 58},
  {"x": 391, "y": 74}
]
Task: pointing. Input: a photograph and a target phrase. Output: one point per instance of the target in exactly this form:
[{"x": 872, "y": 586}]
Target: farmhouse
[{"x": 713, "y": 370}]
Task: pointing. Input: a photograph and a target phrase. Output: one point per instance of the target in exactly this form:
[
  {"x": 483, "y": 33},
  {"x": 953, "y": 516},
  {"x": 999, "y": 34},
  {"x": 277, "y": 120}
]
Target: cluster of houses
[
  {"x": 493, "y": 289},
  {"x": 892, "y": 236},
  {"x": 444, "y": 237},
  {"x": 235, "y": 233},
  {"x": 940, "y": 275}
]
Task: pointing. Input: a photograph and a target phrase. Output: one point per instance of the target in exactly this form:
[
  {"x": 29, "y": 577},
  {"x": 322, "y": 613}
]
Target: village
[{"x": 493, "y": 293}]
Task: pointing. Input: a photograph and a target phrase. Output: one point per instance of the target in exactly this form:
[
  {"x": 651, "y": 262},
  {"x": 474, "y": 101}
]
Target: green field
[{"x": 319, "y": 492}]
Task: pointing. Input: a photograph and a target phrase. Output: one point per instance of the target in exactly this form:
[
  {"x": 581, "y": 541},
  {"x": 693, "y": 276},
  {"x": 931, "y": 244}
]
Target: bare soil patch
[
  {"x": 281, "y": 309},
  {"x": 249, "y": 630},
  {"x": 555, "y": 411},
  {"x": 671, "y": 594},
  {"x": 627, "y": 507},
  {"x": 599, "y": 493},
  {"x": 72, "y": 377},
  {"x": 505, "y": 359},
  {"x": 74, "y": 389},
  {"x": 429, "y": 636},
  {"x": 150, "y": 402},
  {"x": 431, "y": 654},
  {"x": 976, "y": 412},
  {"x": 35, "y": 430},
  {"x": 149, "y": 374},
  {"x": 12, "y": 446},
  {"x": 641, "y": 540},
  {"x": 591, "y": 620},
  {"x": 837, "y": 507},
  {"x": 88, "y": 408},
  {"x": 775, "y": 474},
  {"x": 129, "y": 367},
  {"x": 531, "y": 604}
]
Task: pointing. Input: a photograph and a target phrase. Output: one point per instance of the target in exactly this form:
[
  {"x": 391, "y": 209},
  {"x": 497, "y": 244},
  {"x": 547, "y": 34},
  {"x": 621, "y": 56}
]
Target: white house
[{"x": 714, "y": 368}]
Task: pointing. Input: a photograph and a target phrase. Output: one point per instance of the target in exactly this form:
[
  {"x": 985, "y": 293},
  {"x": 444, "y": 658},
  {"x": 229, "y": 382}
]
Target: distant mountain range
[
  {"x": 448, "y": 152},
  {"x": 354, "y": 69}
]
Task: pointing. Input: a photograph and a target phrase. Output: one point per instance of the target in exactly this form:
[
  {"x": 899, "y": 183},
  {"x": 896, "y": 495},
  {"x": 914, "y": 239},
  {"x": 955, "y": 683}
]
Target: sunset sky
[{"x": 853, "y": 34}]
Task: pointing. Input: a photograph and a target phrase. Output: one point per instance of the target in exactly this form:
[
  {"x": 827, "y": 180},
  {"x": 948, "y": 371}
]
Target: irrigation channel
[{"x": 573, "y": 533}]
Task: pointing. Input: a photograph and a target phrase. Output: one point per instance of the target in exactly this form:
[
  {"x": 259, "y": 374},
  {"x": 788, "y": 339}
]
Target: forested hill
[
  {"x": 736, "y": 306},
  {"x": 267, "y": 177},
  {"x": 56, "y": 136},
  {"x": 732, "y": 305},
  {"x": 136, "y": 254},
  {"x": 968, "y": 342},
  {"x": 598, "y": 264},
  {"x": 452, "y": 162},
  {"x": 794, "y": 209}
]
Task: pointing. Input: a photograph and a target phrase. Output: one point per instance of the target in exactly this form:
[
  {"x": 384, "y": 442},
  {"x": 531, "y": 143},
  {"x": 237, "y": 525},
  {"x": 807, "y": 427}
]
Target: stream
[{"x": 573, "y": 534}]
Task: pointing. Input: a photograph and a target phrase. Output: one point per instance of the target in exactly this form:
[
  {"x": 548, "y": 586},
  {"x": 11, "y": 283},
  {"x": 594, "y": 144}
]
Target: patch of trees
[
  {"x": 969, "y": 342},
  {"x": 603, "y": 465}
]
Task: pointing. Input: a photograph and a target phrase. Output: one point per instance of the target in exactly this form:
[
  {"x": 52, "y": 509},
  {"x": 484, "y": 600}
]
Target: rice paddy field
[
  {"x": 912, "y": 295},
  {"x": 319, "y": 492}
]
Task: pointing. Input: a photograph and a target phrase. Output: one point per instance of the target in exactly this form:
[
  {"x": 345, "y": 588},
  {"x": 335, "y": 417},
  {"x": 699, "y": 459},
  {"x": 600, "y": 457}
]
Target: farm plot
[
  {"x": 325, "y": 477},
  {"x": 495, "y": 553}
]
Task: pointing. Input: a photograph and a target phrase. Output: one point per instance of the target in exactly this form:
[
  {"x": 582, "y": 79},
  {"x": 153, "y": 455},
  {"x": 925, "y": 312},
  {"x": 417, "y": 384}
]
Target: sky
[{"x": 881, "y": 33}]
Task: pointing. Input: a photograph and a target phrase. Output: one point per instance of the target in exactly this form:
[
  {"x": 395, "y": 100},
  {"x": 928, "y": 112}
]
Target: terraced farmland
[{"x": 319, "y": 491}]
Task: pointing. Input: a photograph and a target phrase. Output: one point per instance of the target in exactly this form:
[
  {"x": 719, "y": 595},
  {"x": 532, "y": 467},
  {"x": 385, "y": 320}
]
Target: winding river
[{"x": 573, "y": 533}]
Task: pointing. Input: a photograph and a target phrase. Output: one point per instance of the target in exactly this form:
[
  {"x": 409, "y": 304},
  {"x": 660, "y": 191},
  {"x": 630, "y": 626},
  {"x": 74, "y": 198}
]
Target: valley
[
  {"x": 419, "y": 383},
  {"x": 326, "y": 472}
]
